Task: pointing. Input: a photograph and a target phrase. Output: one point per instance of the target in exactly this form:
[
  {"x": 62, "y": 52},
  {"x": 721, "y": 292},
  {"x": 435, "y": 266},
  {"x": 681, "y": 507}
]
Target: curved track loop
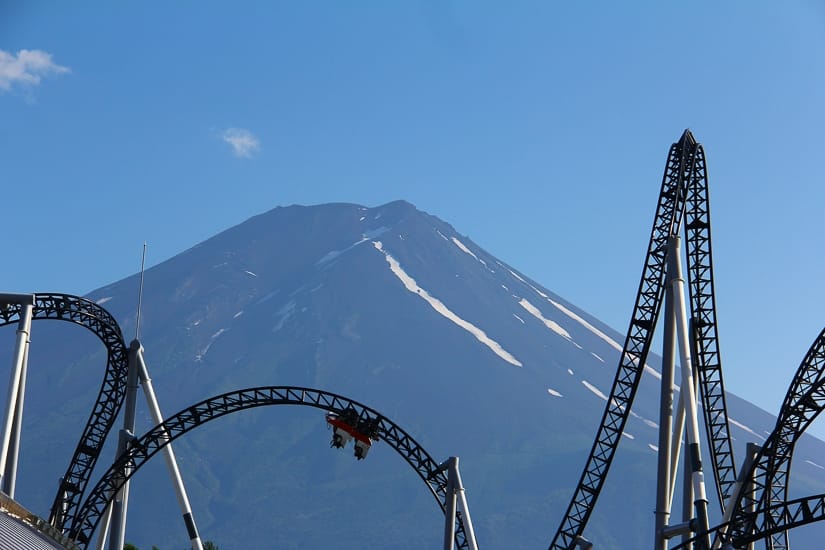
[
  {"x": 678, "y": 170},
  {"x": 769, "y": 472},
  {"x": 141, "y": 450},
  {"x": 703, "y": 314},
  {"x": 684, "y": 192},
  {"x": 65, "y": 307},
  {"x": 795, "y": 513}
]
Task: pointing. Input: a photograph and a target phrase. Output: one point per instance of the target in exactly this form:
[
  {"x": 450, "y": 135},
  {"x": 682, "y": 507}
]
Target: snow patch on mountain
[
  {"x": 597, "y": 357},
  {"x": 366, "y": 236},
  {"x": 743, "y": 427},
  {"x": 519, "y": 318},
  {"x": 283, "y": 314},
  {"x": 268, "y": 297},
  {"x": 552, "y": 325},
  {"x": 202, "y": 353},
  {"x": 438, "y": 305},
  {"x": 554, "y": 393},
  {"x": 594, "y": 389},
  {"x": 466, "y": 250},
  {"x": 103, "y": 300},
  {"x": 610, "y": 341},
  {"x": 812, "y": 463}
]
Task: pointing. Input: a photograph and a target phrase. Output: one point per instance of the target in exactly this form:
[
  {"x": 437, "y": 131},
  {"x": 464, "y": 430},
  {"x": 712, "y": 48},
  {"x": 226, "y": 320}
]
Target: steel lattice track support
[
  {"x": 678, "y": 170},
  {"x": 706, "y": 340},
  {"x": 74, "y": 309},
  {"x": 764, "y": 523},
  {"x": 804, "y": 401},
  {"x": 141, "y": 450}
]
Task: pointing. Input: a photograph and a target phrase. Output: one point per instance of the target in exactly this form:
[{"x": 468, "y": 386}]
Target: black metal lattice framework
[
  {"x": 769, "y": 471},
  {"x": 783, "y": 517},
  {"x": 139, "y": 451},
  {"x": 684, "y": 192},
  {"x": 74, "y": 309},
  {"x": 705, "y": 335}
]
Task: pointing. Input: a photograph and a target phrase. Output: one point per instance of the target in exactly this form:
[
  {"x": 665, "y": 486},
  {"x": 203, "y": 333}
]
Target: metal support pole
[
  {"x": 453, "y": 492},
  {"x": 749, "y": 486},
  {"x": 688, "y": 389},
  {"x": 469, "y": 532},
  {"x": 16, "y": 388},
  {"x": 168, "y": 452},
  {"x": 17, "y": 427},
  {"x": 663, "y": 481},
  {"x": 687, "y": 497},
  {"x": 120, "y": 505},
  {"x": 450, "y": 506},
  {"x": 743, "y": 484},
  {"x": 676, "y": 444},
  {"x": 105, "y": 522}
]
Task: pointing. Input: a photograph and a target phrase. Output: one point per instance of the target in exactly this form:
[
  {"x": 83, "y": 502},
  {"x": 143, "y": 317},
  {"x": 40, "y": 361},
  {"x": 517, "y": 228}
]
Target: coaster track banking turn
[
  {"x": 74, "y": 309},
  {"x": 684, "y": 192},
  {"x": 139, "y": 451},
  {"x": 766, "y": 513}
]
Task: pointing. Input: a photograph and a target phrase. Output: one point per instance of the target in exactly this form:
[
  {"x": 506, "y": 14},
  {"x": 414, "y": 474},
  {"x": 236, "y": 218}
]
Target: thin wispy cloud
[
  {"x": 244, "y": 143},
  {"x": 26, "y": 68}
]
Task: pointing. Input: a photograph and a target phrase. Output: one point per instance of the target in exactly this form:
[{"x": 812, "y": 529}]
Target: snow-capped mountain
[{"x": 394, "y": 308}]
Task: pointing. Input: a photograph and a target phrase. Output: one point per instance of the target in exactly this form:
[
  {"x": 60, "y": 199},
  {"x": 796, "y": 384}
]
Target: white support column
[
  {"x": 103, "y": 530},
  {"x": 469, "y": 532},
  {"x": 168, "y": 452},
  {"x": 10, "y": 478},
  {"x": 450, "y": 506},
  {"x": 13, "y": 415},
  {"x": 120, "y": 504},
  {"x": 688, "y": 390},
  {"x": 454, "y": 497},
  {"x": 663, "y": 481}
]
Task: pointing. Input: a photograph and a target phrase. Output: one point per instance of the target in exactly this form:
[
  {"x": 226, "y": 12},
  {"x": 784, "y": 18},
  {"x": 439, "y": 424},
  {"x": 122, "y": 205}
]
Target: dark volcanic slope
[{"x": 391, "y": 307}]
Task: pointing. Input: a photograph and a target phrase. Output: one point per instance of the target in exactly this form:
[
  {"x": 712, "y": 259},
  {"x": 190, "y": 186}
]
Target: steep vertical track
[
  {"x": 74, "y": 309},
  {"x": 684, "y": 193},
  {"x": 706, "y": 340},
  {"x": 141, "y": 450},
  {"x": 678, "y": 170}
]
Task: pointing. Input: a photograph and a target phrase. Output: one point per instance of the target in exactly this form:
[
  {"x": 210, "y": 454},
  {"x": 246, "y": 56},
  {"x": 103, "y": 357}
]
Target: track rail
[
  {"x": 637, "y": 344},
  {"x": 765, "y": 523},
  {"x": 74, "y": 309},
  {"x": 804, "y": 401},
  {"x": 705, "y": 333},
  {"x": 141, "y": 450},
  {"x": 684, "y": 194}
]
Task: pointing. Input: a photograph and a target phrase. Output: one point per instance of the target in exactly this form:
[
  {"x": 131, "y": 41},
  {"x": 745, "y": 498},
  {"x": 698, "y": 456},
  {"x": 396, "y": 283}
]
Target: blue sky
[{"x": 540, "y": 129}]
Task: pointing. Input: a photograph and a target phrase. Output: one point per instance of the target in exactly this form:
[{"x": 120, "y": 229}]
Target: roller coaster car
[{"x": 343, "y": 431}]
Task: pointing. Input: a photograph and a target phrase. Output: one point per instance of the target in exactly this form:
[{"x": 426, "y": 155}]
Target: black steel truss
[
  {"x": 141, "y": 450},
  {"x": 768, "y": 475},
  {"x": 679, "y": 170},
  {"x": 765, "y": 523},
  {"x": 705, "y": 335},
  {"x": 74, "y": 309}
]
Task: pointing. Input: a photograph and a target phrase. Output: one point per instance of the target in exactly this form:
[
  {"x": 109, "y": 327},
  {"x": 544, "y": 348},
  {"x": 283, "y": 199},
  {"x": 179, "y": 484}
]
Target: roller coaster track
[
  {"x": 769, "y": 472},
  {"x": 139, "y": 451},
  {"x": 765, "y": 523},
  {"x": 74, "y": 309},
  {"x": 683, "y": 192}
]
